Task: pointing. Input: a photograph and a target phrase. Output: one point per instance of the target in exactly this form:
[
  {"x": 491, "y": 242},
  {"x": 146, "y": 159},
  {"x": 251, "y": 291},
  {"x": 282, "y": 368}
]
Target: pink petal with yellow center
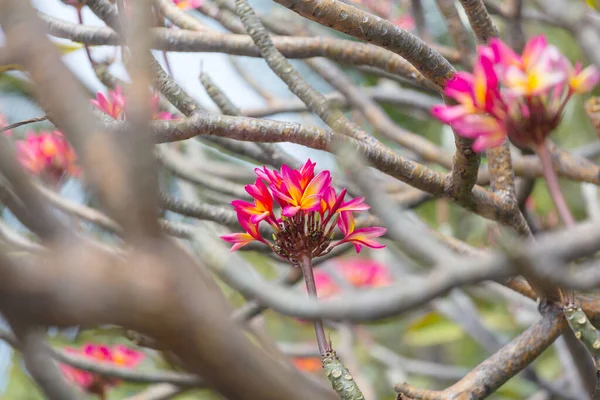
[
  {"x": 473, "y": 126},
  {"x": 516, "y": 80},
  {"x": 124, "y": 356},
  {"x": 364, "y": 237},
  {"x": 448, "y": 114},
  {"x": 543, "y": 82},
  {"x": 338, "y": 201},
  {"x": 101, "y": 102},
  {"x": 585, "y": 80},
  {"x": 534, "y": 50},
  {"x": 504, "y": 55},
  {"x": 317, "y": 184},
  {"x": 460, "y": 86},
  {"x": 239, "y": 240},
  {"x": 271, "y": 177},
  {"x": 357, "y": 204},
  {"x": 251, "y": 228},
  {"x": 329, "y": 198},
  {"x": 48, "y": 146},
  {"x": 485, "y": 83},
  {"x": 282, "y": 193},
  {"x": 244, "y": 206},
  {"x": 346, "y": 222},
  {"x": 485, "y": 142},
  {"x": 291, "y": 180},
  {"x": 307, "y": 173},
  {"x": 262, "y": 195},
  {"x": 311, "y": 203},
  {"x": 290, "y": 211}
]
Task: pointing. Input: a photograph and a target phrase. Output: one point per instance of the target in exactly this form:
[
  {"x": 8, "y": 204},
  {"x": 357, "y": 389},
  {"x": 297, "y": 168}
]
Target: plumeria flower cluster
[
  {"x": 114, "y": 105},
  {"x": 47, "y": 154},
  {"x": 119, "y": 355},
  {"x": 510, "y": 95},
  {"x": 310, "y": 209}
]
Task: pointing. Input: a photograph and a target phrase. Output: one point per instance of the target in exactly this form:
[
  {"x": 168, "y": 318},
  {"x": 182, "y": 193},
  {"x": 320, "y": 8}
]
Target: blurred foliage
[{"x": 420, "y": 335}]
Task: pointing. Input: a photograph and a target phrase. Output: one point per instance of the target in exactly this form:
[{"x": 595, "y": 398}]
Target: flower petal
[
  {"x": 585, "y": 80},
  {"x": 290, "y": 211},
  {"x": 317, "y": 185},
  {"x": 448, "y": 114},
  {"x": 239, "y": 240},
  {"x": 356, "y": 204}
]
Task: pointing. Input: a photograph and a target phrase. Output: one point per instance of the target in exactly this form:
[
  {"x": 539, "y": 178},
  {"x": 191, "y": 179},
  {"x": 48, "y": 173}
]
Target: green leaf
[
  {"x": 20, "y": 385},
  {"x": 431, "y": 330}
]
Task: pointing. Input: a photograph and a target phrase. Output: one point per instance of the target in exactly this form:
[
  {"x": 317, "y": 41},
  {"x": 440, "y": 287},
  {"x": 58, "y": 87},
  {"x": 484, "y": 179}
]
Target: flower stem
[
  {"x": 311, "y": 287},
  {"x": 559, "y": 201},
  {"x": 554, "y": 187}
]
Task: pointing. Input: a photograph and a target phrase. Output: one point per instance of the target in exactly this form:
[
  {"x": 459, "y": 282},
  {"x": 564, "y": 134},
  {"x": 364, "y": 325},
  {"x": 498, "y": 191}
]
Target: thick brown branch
[
  {"x": 488, "y": 376},
  {"x": 194, "y": 315}
]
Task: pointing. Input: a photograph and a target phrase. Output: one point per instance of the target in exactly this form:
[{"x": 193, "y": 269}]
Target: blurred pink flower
[
  {"x": 405, "y": 22},
  {"x": 326, "y": 287},
  {"x": 118, "y": 355},
  {"x": 187, "y": 4},
  {"x": 360, "y": 272},
  {"x": 114, "y": 105},
  {"x": 510, "y": 95},
  {"x": 307, "y": 364},
  {"x": 47, "y": 154}
]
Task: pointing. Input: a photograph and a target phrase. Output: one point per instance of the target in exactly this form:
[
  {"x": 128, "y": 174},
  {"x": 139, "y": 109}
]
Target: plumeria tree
[{"x": 427, "y": 231}]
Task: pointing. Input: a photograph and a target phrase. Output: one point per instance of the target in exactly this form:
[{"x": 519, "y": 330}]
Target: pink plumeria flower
[
  {"x": 119, "y": 355},
  {"x": 405, "y": 22},
  {"x": 310, "y": 209},
  {"x": 583, "y": 80},
  {"x": 358, "y": 237},
  {"x": 262, "y": 207},
  {"x": 326, "y": 287},
  {"x": 113, "y": 106},
  {"x": 363, "y": 273},
  {"x": 251, "y": 233},
  {"x": 521, "y": 97},
  {"x": 188, "y": 4},
  {"x": 297, "y": 197},
  {"x": 47, "y": 154}
]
